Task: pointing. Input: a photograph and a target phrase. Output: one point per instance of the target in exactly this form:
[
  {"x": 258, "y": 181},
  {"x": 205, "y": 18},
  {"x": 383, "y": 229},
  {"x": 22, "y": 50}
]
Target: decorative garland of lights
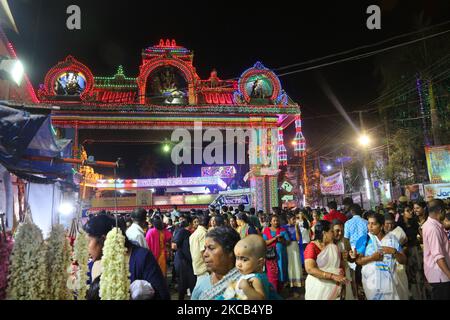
[
  {"x": 162, "y": 182},
  {"x": 146, "y": 125},
  {"x": 300, "y": 141},
  {"x": 259, "y": 68},
  {"x": 273, "y": 181},
  {"x": 246, "y": 109},
  {"x": 163, "y": 46},
  {"x": 169, "y": 119},
  {"x": 282, "y": 152},
  {"x": 70, "y": 64},
  {"x": 105, "y": 82}
]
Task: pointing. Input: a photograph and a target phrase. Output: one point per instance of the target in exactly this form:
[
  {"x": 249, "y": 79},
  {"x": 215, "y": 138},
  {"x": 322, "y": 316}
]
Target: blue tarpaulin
[{"x": 25, "y": 134}]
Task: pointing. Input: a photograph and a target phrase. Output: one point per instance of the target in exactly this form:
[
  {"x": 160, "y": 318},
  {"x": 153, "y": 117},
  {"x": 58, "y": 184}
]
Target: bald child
[{"x": 250, "y": 255}]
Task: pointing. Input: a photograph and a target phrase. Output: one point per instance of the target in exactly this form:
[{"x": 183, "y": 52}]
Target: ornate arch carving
[
  {"x": 68, "y": 64},
  {"x": 146, "y": 69}
]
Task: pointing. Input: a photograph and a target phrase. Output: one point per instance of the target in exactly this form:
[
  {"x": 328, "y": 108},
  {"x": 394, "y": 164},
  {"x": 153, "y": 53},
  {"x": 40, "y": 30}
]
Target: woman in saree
[
  {"x": 400, "y": 270},
  {"x": 324, "y": 265},
  {"x": 245, "y": 228},
  {"x": 346, "y": 256},
  {"x": 158, "y": 238},
  {"x": 293, "y": 252},
  {"x": 276, "y": 266},
  {"x": 220, "y": 263},
  {"x": 378, "y": 261}
]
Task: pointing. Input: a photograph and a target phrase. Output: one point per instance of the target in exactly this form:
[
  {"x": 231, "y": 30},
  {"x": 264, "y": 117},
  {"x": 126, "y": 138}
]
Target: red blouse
[{"x": 311, "y": 251}]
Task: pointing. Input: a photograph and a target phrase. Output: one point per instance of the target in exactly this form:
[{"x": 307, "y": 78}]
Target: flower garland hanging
[
  {"x": 81, "y": 257},
  {"x": 58, "y": 260},
  {"x": 28, "y": 276},
  {"x": 114, "y": 281},
  {"x": 5, "y": 252}
]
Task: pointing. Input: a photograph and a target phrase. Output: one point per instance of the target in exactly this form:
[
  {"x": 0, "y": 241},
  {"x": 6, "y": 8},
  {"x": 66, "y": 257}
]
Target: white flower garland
[
  {"x": 58, "y": 260},
  {"x": 28, "y": 277},
  {"x": 114, "y": 281},
  {"x": 81, "y": 256}
]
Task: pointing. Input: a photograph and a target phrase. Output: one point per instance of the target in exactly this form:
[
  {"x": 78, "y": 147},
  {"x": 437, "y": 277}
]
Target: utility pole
[{"x": 305, "y": 180}]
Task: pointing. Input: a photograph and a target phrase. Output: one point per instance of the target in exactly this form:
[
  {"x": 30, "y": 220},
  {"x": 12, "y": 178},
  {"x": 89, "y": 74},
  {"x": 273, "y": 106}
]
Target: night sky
[{"x": 230, "y": 37}]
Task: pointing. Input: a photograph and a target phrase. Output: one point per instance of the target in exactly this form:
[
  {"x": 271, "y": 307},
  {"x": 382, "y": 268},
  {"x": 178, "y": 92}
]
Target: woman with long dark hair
[
  {"x": 158, "y": 239},
  {"x": 324, "y": 265},
  {"x": 378, "y": 261},
  {"x": 276, "y": 239},
  {"x": 142, "y": 263},
  {"x": 183, "y": 259}
]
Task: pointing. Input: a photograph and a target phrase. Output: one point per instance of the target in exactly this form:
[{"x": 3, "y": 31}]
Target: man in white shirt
[
  {"x": 175, "y": 213},
  {"x": 197, "y": 246},
  {"x": 136, "y": 231}
]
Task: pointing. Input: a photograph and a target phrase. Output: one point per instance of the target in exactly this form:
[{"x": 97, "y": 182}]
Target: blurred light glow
[
  {"x": 364, "y": 140},
  {"x": 11, "y": 69},
  {"x": 66, "y": 208},
  {"x": 166, "y": 148}
]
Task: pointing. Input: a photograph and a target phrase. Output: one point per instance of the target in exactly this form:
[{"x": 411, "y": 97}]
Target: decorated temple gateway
[{"x": 168, "y": 94}]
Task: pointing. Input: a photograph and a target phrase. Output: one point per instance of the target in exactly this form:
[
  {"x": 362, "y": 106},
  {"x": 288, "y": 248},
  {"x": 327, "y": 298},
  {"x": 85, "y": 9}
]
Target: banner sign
[
  {"x": 437, "y": 191},
  {"x": 333, "y": 184},
  {"x": 438, "y": 163},
  {"x": 414, "y": 191},
  {"x": 236, "y": 200},
  {"x": 221, "y": 172}
]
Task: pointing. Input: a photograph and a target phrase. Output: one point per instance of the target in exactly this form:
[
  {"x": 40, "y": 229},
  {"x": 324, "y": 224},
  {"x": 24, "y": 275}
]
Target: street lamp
[
  {"x": 364, "y": 140},
  {"x": 11, "y": 69},
  {"x": 328, "y": 167},
  {"x": 166, "y": 148}
]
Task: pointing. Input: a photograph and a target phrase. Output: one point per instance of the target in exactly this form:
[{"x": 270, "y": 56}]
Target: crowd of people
[{"x": 398, "y": 251}]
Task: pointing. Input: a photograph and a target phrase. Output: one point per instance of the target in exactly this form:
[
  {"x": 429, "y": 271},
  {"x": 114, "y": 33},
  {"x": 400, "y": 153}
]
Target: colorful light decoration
[
  {"x": 282, "y": 152},
  {"x": 177, "y": 109},
  {"x": 187, "y": 70},
  {"x": 69, "y": 64},
  {"x": 218, "y": 97},
  {"x": 161, "y": 182},
  {"x": 118, "y": 81},
  {"x": 119, "y": 102},
  {"x": 300, "y": 141},
  {"x": 12, "y": 53},
  {"x": 259, "y": 69},
  {"x": 221, "y": 172}
]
